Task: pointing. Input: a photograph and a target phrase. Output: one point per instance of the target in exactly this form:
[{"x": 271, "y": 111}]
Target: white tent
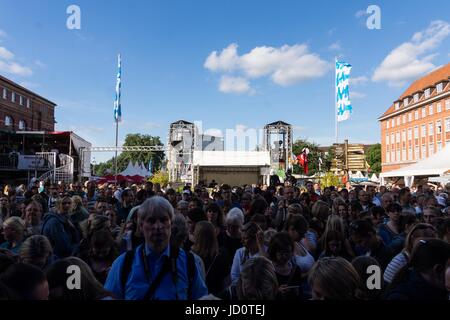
[
  {"x": 374, "y": 178},
  {"x": 435, "y": 165},
  {"x": 129, "y": 171}
]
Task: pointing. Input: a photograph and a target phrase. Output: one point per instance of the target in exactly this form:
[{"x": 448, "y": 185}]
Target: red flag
[{"x": 303, "y": 160}]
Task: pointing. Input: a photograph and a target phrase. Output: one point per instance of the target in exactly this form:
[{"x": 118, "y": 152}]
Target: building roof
[
  {"x": 429, "y": 80},
  {"x": 278, "y": 123},
  {"x": 26, "y": 90}
]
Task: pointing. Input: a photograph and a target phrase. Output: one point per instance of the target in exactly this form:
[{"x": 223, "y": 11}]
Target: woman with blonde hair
[
  {"x": 79, "y": 212},
  {"x": 334, "y": 279},
  {"x": 13, "y": 231},
  {"x": 37, "y": 250},
  {"x": 214, "y": 258}
]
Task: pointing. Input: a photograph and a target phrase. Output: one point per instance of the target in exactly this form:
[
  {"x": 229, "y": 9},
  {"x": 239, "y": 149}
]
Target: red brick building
[
  {"x": 417, "y": 124},
  {"x": 24, "y": 110}
]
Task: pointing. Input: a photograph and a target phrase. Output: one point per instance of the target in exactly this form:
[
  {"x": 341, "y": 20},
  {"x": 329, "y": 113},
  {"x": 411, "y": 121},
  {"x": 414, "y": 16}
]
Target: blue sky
[{"x": 278, "y": 64}]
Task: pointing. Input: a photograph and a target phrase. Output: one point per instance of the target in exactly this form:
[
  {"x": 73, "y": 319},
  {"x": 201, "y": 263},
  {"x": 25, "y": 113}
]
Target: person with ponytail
[{"x": 423, "y": 278}]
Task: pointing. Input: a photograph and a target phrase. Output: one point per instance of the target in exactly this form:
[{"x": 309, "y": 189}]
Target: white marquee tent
[{"x": 436, "y": 165}]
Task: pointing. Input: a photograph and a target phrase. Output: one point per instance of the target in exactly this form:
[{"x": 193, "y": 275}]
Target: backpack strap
[
  {"x": 191, "y": 267},
  {"x": 126, "y": 269}
]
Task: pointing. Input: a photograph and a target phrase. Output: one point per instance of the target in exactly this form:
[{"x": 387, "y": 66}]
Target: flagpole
[
  {"x": 334, "y": 108},
  {"x": 115, "y": 157}
]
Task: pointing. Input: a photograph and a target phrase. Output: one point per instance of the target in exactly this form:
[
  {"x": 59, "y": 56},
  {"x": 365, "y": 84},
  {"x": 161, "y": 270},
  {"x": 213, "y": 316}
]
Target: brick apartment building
[
  {"x": 417, "y": 124},
  {"x": 24, "y": 110}
]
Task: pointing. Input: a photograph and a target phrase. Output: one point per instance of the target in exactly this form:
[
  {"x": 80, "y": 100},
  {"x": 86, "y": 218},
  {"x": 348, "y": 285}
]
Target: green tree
[
  {"x": 126, "y": 156},
  {"x": 160, "y": 177},
  {"x": 313, "y": 156},
  {"x": 329, "y": 179},
  {"x": 373, "y": 158}
]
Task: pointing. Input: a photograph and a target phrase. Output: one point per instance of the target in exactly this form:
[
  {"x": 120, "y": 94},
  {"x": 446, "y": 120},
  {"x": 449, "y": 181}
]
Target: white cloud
[
  {"x": 358, "y": 80},
  {"x": 236, "y": 85},
  {"x": 227, "y": 60},
  {"x": 3, "y": 34},
  {"x": 335, "y": 46},
  {"x": 15, "y": 68},
  {"x": 285, "y": 65},
  {"x": 357, "y": 95},
  {"x": 360, "y": 13},
  {"x": 413, "y": 58},
  {"x": 6, "y": 54}
]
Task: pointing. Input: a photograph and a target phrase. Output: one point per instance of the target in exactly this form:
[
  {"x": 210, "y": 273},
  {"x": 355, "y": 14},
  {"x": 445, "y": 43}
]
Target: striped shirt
[{"x": 398, "y": 262}]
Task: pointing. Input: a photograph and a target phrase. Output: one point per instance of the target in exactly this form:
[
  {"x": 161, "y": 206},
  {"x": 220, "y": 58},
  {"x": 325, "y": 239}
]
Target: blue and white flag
[
  {"x": 343, "y": 104},
  {"x": 117, "y": 106}
]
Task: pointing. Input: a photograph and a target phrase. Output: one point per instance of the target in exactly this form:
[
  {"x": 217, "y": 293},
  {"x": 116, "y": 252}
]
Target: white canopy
[
  {"x": 435, "y": 165},
  {"x": 135, "y": 169}
]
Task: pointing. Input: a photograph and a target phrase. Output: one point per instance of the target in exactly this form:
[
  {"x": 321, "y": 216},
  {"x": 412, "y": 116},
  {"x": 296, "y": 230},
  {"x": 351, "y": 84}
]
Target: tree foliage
[
  {"x": 160, "y": 177},
  {"x": 126, "y": 156},
  {"x": 373, "y": 158},
  {"x": 329, "y": 179},
  {"x": 313, "y": 156}
]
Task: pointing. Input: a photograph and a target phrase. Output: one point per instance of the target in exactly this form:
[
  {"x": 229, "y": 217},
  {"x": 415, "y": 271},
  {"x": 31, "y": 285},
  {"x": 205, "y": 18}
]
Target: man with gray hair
[{"x": 156, "y": 270}]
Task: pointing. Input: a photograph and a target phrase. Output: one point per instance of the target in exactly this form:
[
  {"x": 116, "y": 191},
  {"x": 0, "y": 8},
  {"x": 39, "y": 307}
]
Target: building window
[
  {"x": 398, "y": 121},
  {"x": 388, "y": 157},
  {"x": 410, "y": 117},
  {"x": 397, "y": 105},
  {"x": 438, "y": 127},
  {"x": 405, "y": 102},
  {"x": 438, "y": 107},
  {"x": 424, "y": 152},
  {"x": 398, "y": 155},
  {"x": 4, "y": 93},
  {"x": 416, "y": 97},
  {"x": 21, "y": 100},
  {"x": 410, "y": 153},
  {"x": 447, "y": 104},
  {"x": 416, "y": 152},
  {"x": 416, "y": 132},
  {"x": 387, "y": 124},
  {"x": 430, "y": 149},
  {"x": 28, "y": 103},
  {"x": 404, "y": 119},
  {"x": 392, "y": 138},
  {"x": 397, "y": 137},
  {"x": 424, "y": 112},
  {"x": 393, "y": 123},
  {"x": 13, "y": 97},
  {"x": 427, "y": 93},
  {"x": 416, "y": 115},
  {"x": 409, "y": 134},
  {"x": 439, "y": 146},
  {"x": 22, "y": 125},
  {"x": 392, "y": 156},
  {"x": 447, "y": 124},
  {"x": 404, "y": 136},
  {"x": 404, "y": 153},
  {"x": 439, "y": 87},
  {"x": 430, "y": 108},
  {"x": 430, "y": 129},
  {"x": 387, "y": 139},
  {"x": 423, "y": 131},
  {"x": 8, "y": 121}
]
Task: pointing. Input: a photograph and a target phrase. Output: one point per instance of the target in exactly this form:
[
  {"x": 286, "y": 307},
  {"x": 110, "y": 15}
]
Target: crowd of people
[{"x": 281, "y": 242}]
